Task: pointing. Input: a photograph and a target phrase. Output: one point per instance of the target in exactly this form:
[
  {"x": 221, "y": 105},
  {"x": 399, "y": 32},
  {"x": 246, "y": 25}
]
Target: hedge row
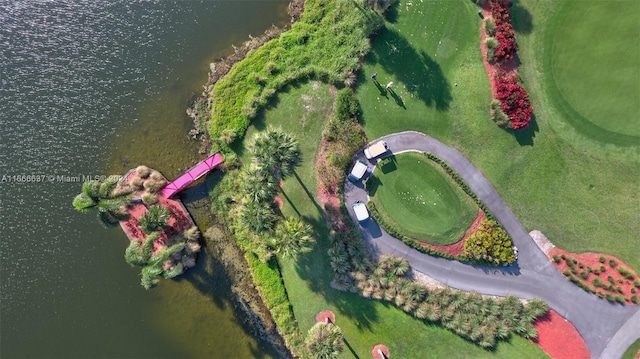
[{"x": 456, "y": 177}]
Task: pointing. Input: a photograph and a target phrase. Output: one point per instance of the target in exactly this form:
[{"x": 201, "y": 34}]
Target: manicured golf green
[
  {"x": 420, "y": 200},
  {"x": 595, "y": 66}
]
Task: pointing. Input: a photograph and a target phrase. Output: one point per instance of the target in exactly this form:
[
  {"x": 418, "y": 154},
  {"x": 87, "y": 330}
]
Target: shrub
[
  {"x": 602, "y": 259},
  {"x": 504, "y": 32},
  {"x": 603, "y": 269},
  {"x": 580, "y": 265},
  {"x": 514, "y": 100},
  {"x": 626, "y": 273},
  {"x": 563, "y": 256},
  {"x": 556, "y": 258},
  {"x": 490, "y": 243},
  {"x": 612, "y": 263},
  {"x": 143, "y": 171},
  {"x": 566, "y": 272},
  {"x": 610, "y": 279},
  {"x": 497, "y": 114},
  {"x": 636, "y": 283},
  {"x": 635, "y": 299},
  {"x": 574, "y": 270},
  {"x": 149, "y": 199},
  {"x": 490, "y": 26},
  {"x": 491, "y": 43},
  {"x": 597, "y": 282},
  {"x": 584, "y": 275}
]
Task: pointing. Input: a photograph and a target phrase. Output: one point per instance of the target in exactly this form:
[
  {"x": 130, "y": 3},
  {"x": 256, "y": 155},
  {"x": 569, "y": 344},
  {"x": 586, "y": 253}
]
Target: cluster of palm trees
[
  {"x": 169, "y": 258},
  {"x": 275, "y": 155},
  {"x": 109, "y": 197},
  {"x": 480, "y": 320}
]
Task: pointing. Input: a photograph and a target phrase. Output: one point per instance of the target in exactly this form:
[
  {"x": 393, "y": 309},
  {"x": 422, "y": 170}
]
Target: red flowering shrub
[
  {"x": 505, "y": 35},
  {"x": 514, "y": 100}
]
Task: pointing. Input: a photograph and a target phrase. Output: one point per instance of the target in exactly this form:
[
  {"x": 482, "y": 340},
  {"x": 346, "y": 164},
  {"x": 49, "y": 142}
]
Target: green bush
[
  {"x": 490, "y": 243},
  {"x": 497, "y": 114},
  {"x": 155, "y": 218},
  {"x": 626, "y": 273},
  {"x": 490, "y": 27},
  {"x": 612, "y": 263},
  {"x": 491, "y": 43},
  {"x": 556, "y": 258},
  {"x": 602, "y": 259}
]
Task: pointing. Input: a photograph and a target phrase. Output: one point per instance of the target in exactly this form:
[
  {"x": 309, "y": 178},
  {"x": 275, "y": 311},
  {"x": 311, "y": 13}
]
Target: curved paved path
[{"x": 607, "y": 329}]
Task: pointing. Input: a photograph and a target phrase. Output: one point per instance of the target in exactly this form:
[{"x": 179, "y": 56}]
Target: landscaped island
[{"x": 163, "y": 238}]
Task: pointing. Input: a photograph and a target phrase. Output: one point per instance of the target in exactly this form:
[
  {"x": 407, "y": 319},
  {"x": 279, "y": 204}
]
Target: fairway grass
[
  {"x": 420, "y": 200},
  {"x": 594, "y": 71},
  {"x": 580, "y": 193},
  {"x": 301, "y": 109}
]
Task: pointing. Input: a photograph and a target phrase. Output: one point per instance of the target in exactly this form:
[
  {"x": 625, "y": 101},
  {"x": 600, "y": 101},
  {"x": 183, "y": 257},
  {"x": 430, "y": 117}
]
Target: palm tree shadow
[
  {"x": 314, "y": 269},
  {"x": 420, "y": 74},
  {"x": 353, "y": 352}
]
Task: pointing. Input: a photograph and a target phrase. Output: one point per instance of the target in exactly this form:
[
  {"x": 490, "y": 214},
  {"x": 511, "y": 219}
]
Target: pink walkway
[{"x": 192, "y": 175}]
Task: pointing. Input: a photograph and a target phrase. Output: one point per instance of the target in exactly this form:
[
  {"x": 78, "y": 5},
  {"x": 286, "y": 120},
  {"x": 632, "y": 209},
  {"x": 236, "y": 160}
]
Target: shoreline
[
  {"x": 199, "y": 110},
  {"x": 247, "y": 302}
]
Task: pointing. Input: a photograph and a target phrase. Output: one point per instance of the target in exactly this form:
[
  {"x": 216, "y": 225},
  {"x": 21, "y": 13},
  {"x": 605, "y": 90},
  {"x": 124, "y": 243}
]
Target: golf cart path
[{"x": 607, "y": 328}]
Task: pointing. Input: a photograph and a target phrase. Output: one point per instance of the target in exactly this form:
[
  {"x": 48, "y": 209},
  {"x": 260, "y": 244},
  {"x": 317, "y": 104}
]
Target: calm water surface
[{"x": 93, "y": 88}]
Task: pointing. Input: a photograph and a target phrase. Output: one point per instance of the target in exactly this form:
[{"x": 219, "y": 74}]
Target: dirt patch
[
  {"x": 599, "y": 268},
  {"x": 456, "y": 248},
  {"x": 559, "y": 338}
]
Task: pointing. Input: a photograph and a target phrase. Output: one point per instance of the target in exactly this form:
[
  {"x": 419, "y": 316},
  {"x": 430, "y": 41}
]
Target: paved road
[{"x": 608, "y": 329}]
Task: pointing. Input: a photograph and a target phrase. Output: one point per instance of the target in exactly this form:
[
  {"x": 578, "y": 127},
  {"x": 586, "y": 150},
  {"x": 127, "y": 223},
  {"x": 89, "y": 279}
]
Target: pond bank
[{"x": 247, "y": 300}]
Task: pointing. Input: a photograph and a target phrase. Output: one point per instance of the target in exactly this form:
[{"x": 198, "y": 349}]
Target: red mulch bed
[
  {"x": 559, "y": 338},
  {"x": 592, "y": 260},
  {"x": 324, "y": 315},
  {"x": 510, "y": 67},
  {"x": 456, "y": 248},
  {"x": 178, "y": 222},
  {"x": 383, "y": 348}
]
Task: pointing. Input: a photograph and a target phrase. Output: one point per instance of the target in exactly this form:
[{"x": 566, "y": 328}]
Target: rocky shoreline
[{"x": 247, "y": 300}]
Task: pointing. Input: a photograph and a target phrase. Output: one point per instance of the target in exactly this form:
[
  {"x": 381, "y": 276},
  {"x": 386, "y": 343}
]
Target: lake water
[{"x": 90, "y": 88}]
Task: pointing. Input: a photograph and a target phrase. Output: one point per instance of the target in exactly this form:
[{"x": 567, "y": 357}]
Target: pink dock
[{"x": 192, "y": 175}]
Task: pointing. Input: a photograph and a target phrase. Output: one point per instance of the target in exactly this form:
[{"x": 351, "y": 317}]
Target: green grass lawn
[
  {"x": 582, "y": 195},
  {"x": 594, "y": 69},
  {"x": 632, "y": 350},
  {"x": 365, "y": 323},
  {"x": 420, "y": 200}
]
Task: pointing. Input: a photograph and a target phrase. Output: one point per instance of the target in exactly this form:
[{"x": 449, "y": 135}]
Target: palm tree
[
  {"x": 293, "y": 237},
  {"x": 276, "y": 152},
  {"x": 106, "y": 198},
  {"x": 256, "y": 186},
  {"x": 325, "y": 341},
  {"x": 535, "y": 308},
  {"x": 156, "y": 217},
  {"x": 257, "y": 216}
]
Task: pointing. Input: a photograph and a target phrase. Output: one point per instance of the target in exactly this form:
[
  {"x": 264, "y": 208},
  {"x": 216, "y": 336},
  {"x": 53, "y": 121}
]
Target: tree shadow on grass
[
  {"x": 522, "y": 20},
  {"x": 315, "y": 269},
  {"x": 414, "y": 69},
  {"x": 525, "y": 136}
]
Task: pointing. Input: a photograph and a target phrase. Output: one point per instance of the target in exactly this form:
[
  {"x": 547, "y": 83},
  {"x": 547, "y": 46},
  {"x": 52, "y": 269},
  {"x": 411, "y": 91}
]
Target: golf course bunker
[
  {"x": 419, "y": 200},
  {"x": 595, "y": 67}
]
